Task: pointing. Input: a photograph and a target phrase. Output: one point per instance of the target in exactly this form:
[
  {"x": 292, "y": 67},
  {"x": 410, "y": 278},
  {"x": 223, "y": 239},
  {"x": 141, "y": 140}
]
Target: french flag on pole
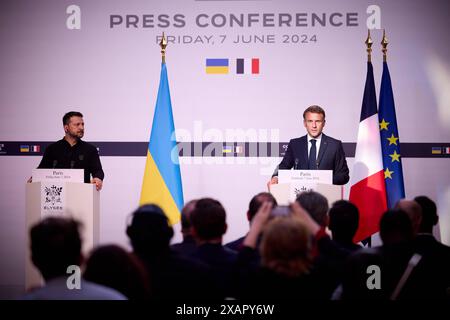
[{"x": 368, "y": 190}]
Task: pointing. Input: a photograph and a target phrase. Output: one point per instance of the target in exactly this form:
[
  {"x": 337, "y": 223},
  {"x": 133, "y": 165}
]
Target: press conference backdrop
[{"x": 271, "y": 60}]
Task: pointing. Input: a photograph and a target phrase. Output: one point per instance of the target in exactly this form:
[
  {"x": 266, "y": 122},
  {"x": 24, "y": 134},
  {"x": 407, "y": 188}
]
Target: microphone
[
  {"x": 72, "y": 163},
  {"x": 296, "y": 164},
  {"x": 55, "y": 162}
]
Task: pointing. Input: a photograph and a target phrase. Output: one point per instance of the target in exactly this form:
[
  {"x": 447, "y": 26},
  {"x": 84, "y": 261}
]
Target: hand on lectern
[
  {"x": 274, "y": 180},
  {"x": 98, "y": 183}
]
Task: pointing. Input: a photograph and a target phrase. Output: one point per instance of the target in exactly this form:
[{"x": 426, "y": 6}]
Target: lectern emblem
[
  {"x": 297, "y": 191},
  {"x": 53, "y": 195}
]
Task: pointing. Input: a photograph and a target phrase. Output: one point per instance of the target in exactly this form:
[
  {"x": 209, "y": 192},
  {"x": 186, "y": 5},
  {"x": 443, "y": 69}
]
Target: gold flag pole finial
[
  {"x": 369, "y": 43},
  {"x": 163, "y": 45},
  {"x": 384, "y": 44}
]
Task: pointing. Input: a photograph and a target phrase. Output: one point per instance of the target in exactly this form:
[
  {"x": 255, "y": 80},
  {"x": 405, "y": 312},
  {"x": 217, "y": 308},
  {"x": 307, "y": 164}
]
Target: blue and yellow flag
[
  {"x": 162, "y": 178},
  {"x": 390, "y": 142}
]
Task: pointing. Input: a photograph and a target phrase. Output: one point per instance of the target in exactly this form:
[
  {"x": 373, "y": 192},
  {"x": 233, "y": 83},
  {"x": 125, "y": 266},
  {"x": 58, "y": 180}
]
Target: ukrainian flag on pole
[{"x": 162, "y": 178}]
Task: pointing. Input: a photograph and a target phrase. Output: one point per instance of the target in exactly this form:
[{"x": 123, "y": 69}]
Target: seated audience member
[
  {"x": 431, "y": 277},
  {"x": 114, "y": 267},
  {"x": 390, "y": 259},
  {"x": 430, "y": 217},
  {"x": 187, "y": 246},
  {"x": 253, "y": 207},
  {"x": 396, "y": 228},
  {"x": 56, "y": 245},
  {"x": 425, "y": 241},
  {"x": 172, "y": 276},
  {"x": 412, "y": 263},
  {"x": 329, "y": 263},
  {"x": 414, "y": 212},
  {"x": 285, "y": 256},
  {"x": 343, "y": 224},
  {"x": 316, "y": 205},
  {"x": 208, "y": 222},
  {"x": 328, "y": 255}
]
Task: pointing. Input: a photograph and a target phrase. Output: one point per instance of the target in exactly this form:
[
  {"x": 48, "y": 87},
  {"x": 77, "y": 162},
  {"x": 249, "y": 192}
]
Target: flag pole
[
  {"x": 369, "y": 43},
  {"x": 163, "y": 45},
  {"x": 384, "y": 43},
  {"x": 368, "y": 241}
]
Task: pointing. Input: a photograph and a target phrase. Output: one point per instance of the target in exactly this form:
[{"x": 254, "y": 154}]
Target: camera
[{"x": 281, "y": 211}]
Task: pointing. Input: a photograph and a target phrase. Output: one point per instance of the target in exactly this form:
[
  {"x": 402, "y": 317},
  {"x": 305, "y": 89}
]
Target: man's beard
[{"x": 76, "y": 135}]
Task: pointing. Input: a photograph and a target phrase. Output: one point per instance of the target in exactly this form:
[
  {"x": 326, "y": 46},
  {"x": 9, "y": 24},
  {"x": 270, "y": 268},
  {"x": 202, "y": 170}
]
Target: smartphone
[{"x": 281, "y": 211}]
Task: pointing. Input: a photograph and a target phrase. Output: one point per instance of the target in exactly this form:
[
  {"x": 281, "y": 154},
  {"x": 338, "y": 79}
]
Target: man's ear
[
  {"x": 435, "y": 220},
  {"x": 66, "y": 128},
  {"x": 248, "y": 216},
  {"x": 225, "y": 228}
]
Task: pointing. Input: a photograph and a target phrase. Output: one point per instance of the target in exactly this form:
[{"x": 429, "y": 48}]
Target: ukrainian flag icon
[{"x": 217, "y": 66}]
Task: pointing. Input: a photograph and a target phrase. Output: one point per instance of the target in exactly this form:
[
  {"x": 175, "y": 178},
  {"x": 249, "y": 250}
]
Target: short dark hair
[
  {"x": 257, "y": 202},
  {"x": 149, "y": 231},
  {"x": 208, "y": 219},
  {"x": 314, "y": 109},
  {"x": 395, "y": 227},
  {"x": 70, "y": 114},
  {"x": 186, "y": 215},
  {"x": 429, "y": 213},
  {"x": 344, "y": 219},
  {"x": 115, "y": 267},
  {"x": 315, "y": 204},
  {"x": 55, "y": 245}
]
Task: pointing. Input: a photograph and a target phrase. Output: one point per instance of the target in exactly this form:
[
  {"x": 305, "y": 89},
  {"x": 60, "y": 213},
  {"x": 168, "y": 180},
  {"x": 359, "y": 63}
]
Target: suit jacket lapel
[
  {"x": 304, "y": 152},
  {"x": 323, "y": 147}
]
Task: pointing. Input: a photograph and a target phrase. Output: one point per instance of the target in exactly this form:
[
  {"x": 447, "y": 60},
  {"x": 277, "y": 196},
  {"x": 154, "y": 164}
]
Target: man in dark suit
[
  {"x": 208, "y": 222},
  {"x": 255, "y": 203},
  {"x": 315, "y": 151},
  {"x": 172, "y": 275},
  {"x": 431, "y": 279},
  {"x": 74, "y": 153},
  {"x": 188, "y": 245}
]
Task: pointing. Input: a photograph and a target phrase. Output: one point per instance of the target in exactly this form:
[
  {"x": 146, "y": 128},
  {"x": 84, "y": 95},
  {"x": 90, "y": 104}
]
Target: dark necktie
[{"x": 312, "y": 156}]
